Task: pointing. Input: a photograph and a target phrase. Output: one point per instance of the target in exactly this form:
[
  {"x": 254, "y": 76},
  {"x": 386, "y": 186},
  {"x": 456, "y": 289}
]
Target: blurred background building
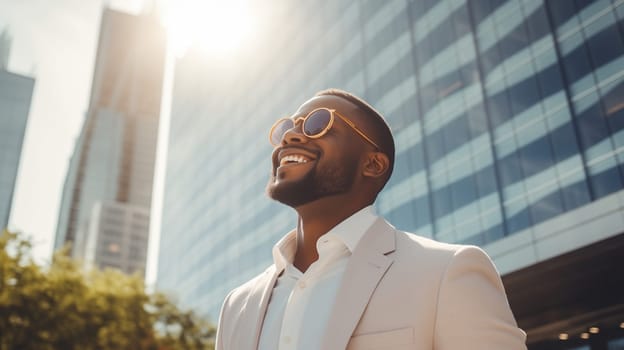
[
  {"x": 108, "y": 189},
  {"x": 5, "y": 49},
  {"x": 15, "y": 97},
  {"x": 508, "y": 119}
]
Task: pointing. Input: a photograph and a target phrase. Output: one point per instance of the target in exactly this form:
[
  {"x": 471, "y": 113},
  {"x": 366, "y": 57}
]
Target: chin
[
  {"x": 295, "y": 194},
  {"x": 311, "y": 186},
  {"x": 292, "y": 194}
]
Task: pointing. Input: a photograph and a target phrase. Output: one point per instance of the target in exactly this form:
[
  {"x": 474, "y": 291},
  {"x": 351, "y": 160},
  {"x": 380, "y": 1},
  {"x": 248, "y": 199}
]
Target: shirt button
[{"x": 302, "y": 284}]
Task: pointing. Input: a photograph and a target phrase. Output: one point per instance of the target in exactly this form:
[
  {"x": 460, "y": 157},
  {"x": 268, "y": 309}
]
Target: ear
[{"x": 376, "y": 165}]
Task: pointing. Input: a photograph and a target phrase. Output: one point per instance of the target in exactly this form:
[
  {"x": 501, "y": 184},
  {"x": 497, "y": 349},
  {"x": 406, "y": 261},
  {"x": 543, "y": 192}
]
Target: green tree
[{"x": 63, "y": 307}]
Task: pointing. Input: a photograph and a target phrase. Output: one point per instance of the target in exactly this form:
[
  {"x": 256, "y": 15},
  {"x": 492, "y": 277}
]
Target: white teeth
[{"x": 293, "y": 158}]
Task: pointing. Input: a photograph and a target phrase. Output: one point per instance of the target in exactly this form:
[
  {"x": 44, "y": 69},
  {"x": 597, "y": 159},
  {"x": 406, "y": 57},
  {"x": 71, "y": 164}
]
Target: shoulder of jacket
[
  {"x": 243, "y": 291},
  {"x": 431, "y": 246},
  {"x": 428, "y": 245}
]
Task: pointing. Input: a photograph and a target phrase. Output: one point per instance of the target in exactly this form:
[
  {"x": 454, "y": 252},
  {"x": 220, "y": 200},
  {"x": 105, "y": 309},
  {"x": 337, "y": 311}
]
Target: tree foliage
[{"x": 64, "y": 307}]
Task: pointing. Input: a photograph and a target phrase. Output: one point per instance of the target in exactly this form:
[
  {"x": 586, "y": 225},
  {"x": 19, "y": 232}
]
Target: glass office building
[
  {"x": 508, "y": 119},
  {"x": 16, "y": 92},
  {"x": 107, "y": 195}
]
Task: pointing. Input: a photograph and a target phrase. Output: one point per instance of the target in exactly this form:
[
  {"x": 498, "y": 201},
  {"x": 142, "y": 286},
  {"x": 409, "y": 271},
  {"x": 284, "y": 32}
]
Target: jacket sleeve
[
  {"x": 220, "y": 341},
  {"x": 473, "y": 312}
]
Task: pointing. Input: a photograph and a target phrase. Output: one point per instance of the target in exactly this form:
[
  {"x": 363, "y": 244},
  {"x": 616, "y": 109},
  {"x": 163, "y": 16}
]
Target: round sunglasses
[{"x": 316, "y": 124}]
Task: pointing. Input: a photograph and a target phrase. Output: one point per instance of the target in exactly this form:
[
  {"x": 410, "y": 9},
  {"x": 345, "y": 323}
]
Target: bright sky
[{"x": 55, "y": 42}]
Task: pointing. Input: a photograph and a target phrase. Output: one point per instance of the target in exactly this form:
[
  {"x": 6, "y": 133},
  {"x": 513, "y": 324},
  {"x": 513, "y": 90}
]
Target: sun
[{"x": 215, "y": 27}]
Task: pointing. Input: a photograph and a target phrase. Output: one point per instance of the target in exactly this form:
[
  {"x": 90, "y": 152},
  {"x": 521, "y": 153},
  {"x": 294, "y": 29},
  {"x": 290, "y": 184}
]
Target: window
[
  {"x": 513, "y": 42},
  {"x": 435, "y": 146},
  {"x": 494, "y": 233},
  {"x": 403, "y": 217},
  {"x": 523, "y": 95},
  {"x": 401, "y": 165},
  {"x": 486, "y": 181},
  {"x": 421, "y": 211},
  {"x": 490, "y": 59},
  {"x": 537, "y": 24},
  {"x": 605, "y": 46},
  {"x": 546, "y": 207},
  {"x": 477, "y": 120},
  {"x": 442, "y": 202},
  {"x": 561, "y": 11},
  {"x": 464, "y": 192},
  {"x": 575, "y": 195},
  {"x": 536, "y": 156},
  {"x": 456, "y": 133},
  {"x": 416, "y": 158},
  {"x": 517, "y": 216},
  {"x": 510, "y": 169},
  {"x": 591, "y": 123},
  {"x": 478, "y": 239},
  {"x": 614, "y": 105},
  {"x": 480, "y": 9},
  {"x": 500, "y": 111},
  {"x": 576, "y": 63},
  {"x": 605, "y": 181},
  {"x": 564, "y": 142},
  {"x": 550, "y": 80}
]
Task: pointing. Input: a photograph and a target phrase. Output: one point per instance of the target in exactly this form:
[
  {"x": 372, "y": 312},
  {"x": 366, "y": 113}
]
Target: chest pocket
[{"x": 396, "y": 339}]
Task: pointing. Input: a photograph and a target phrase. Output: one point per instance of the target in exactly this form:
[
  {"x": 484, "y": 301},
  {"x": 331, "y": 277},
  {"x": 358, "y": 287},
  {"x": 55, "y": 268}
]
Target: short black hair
[{"x": 383, "y": 134}]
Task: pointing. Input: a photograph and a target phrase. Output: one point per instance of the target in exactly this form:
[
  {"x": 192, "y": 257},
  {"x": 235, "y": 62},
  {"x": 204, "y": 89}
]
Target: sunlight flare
[{"x": 215, "y": 27}]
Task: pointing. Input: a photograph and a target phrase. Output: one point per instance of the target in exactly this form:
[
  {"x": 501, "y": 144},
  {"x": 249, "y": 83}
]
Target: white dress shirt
[{"x": 301, "y": 303}]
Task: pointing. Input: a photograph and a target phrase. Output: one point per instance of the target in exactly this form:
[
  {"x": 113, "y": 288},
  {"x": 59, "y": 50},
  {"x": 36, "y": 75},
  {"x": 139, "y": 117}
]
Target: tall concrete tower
[{"x": 108, "y": 190}]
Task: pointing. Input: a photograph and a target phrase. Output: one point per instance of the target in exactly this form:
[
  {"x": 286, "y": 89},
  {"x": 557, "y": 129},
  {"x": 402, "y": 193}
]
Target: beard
[{"x": 316, "y": 184}]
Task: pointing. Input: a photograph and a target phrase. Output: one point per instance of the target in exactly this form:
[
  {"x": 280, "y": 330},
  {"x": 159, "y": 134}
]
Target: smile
[{"x": 293, "y": 159}]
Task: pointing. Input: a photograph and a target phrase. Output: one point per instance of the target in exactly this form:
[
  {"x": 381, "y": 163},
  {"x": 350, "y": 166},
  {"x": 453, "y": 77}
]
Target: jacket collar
[{"x": 367, "y": 265}]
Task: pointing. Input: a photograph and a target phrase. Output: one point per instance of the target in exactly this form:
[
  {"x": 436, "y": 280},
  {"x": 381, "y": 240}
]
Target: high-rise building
[
  {"x": 108, "y": 190},
  {"x": 508, "y": 119},
  {"x": 15, "y": 97},
  {"x": 5, "y": 49}
]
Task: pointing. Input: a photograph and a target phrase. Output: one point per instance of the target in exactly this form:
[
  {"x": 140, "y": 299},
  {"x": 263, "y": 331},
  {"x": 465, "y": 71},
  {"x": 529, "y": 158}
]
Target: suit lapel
[
  {"x": 364, "y": 270},
  {"x": 255, "y": 309}
]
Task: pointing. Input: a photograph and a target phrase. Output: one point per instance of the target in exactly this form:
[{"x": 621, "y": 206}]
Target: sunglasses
[{"x": 316, "y": 124}]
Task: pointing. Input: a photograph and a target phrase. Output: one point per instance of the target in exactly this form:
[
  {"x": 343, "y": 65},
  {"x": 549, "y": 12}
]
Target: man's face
[{"x": 305, "y": 169}]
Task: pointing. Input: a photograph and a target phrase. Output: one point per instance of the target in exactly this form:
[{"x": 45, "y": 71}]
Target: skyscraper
[
  {"x": 107, "y": 195},
  {"x": 508, "y": 119},
  {"x": 5, "y": 49},
  {"x": 15, "y": 97}
]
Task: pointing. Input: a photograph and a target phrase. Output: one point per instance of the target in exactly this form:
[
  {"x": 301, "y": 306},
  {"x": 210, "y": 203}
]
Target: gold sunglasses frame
[{"x": 332, "y": 112}]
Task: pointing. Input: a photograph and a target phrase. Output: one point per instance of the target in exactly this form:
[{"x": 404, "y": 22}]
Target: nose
[{"x": 294, "y": 135}]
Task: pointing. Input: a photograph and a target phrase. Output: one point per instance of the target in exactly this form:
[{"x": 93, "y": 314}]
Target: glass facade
[
  {"x": 15, "y": 97},
  {"x": 505, "y": 114}
]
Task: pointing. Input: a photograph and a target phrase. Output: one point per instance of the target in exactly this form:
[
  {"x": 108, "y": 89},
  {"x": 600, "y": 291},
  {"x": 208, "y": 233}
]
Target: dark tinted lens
[
  {"x": 316, "y": 122},
  {"x": 280, "y": 129}
]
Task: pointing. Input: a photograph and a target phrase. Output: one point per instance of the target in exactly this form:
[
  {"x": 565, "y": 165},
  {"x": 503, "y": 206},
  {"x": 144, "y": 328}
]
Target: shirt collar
[
  {"x": 349, "y": 232},
  {"x": 284, "y": 250}
]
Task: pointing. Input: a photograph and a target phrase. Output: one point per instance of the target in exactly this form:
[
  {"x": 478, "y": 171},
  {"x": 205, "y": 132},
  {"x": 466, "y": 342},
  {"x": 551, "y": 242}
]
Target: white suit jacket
[{"x": 399, "y": 291}]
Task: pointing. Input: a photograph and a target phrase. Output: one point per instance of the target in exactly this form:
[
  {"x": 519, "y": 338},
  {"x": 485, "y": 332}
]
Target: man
[{"x": 345, "y": 278}]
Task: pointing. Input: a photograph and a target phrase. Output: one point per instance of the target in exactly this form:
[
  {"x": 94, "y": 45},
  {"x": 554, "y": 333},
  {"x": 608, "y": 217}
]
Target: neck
[{"x": 316, "y": 219}]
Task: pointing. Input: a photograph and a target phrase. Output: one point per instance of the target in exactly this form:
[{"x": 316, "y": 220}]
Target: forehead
[{"x": 344, "y": 107}]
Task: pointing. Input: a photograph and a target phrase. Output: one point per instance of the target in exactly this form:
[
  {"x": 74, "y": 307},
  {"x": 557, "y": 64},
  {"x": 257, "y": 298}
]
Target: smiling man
[{"x": 344, "y": 278}]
